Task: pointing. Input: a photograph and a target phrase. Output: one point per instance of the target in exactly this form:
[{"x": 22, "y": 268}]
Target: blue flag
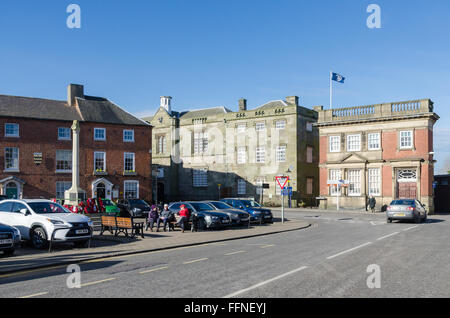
[{"x": 338, "y": 78}]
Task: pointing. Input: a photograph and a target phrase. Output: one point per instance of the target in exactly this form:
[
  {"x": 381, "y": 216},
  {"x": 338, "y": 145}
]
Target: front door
[
  {"x": 11, "y": 190},
  {"x": 407, "y": 190},
  {"x": 101, "y": 191}
]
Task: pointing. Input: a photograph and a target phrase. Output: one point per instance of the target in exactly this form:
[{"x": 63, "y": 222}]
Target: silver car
[{"x": 406, "y": 209}]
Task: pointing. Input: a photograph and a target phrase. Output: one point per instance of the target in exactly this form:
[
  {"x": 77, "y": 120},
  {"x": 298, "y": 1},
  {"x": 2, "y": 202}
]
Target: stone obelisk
[{"x": 75, "y": 194}]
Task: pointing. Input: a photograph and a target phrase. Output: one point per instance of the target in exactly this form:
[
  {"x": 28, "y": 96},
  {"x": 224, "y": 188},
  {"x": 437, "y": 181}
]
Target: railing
[{"x": 354, "y": 111}]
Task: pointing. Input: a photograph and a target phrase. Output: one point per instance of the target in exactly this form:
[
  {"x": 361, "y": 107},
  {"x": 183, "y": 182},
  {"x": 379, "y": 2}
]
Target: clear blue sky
[{"x": 209, "y": 53}]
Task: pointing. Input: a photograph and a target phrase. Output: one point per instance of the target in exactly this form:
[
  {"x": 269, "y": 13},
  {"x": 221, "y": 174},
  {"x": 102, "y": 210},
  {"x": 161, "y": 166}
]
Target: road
[{"x": 329, "y": 259}]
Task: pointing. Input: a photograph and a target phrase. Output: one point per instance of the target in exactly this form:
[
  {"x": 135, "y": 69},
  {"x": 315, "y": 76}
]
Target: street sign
[
  {"x": 282, "y": 181},
  {"x": 287, "y": 191},
  {"x": 266, "y": 186}
]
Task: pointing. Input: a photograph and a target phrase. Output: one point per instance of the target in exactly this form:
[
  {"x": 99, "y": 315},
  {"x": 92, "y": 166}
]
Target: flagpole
[{"x": 331, "y": 89}]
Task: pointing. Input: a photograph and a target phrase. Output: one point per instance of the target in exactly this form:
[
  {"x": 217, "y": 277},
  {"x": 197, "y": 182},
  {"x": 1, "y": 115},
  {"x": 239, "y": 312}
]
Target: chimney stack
[
  {"x": 74, "y": 91},
  {"x": 242, "y": 105},
  {"x": 292, "y": 100},
  {"x": 166, "y": 103}
]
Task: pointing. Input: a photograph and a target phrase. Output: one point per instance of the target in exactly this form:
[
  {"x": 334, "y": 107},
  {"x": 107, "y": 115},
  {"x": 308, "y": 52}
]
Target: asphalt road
[{"x": 330, "y": 259}]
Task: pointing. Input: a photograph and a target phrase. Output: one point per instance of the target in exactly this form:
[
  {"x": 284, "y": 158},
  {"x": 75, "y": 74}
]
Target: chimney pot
[{"x": 74, "y": 91}]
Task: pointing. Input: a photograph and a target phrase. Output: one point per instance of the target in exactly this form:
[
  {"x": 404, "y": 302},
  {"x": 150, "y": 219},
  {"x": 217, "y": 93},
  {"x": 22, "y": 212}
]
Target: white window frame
[
  {"x": 15, "y": 158},
  {"x": 104, "y": 134},
  {"x": 333, "y": 140},
  {"x": 200, "y": 178},
  {"x": 411, "y": 137},
  {"x": 354, "y": 188},
  {"x": 125, "y": 161},
  {"x": 125, "y": 188},
  {"x": 350, "y": 143},
  {"x": 16, "y": 129},
  {"x": 260, "y": 154},
  {"x": 335, "y": 175},
  {"x": 125, "y": 131},
  {"x": 65, "y": 185},
  {"x": 374, "y": 181},
  {"x": 241, "y": 187},
  {"x": 280, "y": 125},
  {"x": 242, "y": 155},
  {"x": 104, "y": 160},
  {"x": 281, "y": 154},
  {"x": 69, "y": 159},
  {"x": 161, "y": 139},
  {"x": 378, "y": 141},
  {"x": 201, "y": 143},
  {"x": 260, "y": 126},
  {"x": 241, "y": 128},
  {"x": 65, "y": 137}
]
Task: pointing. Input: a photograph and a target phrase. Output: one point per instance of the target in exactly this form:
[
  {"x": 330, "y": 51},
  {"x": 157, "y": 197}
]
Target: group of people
[{"x": 167, "y": 217}]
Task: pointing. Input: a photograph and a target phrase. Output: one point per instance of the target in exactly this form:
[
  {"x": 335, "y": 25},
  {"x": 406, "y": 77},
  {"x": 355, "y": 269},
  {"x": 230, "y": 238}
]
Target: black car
[
  {"x": 208, "y": 218},
  {"x": 9, "y": 239},
  {"x": 3, "y": 197},
  {"x": 134, "y": 208}
]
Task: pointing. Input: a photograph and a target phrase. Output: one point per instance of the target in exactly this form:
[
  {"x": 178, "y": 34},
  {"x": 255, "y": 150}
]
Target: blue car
[
  {"x": 257, "y": 212},
  {"x": 9, "y": 239}
]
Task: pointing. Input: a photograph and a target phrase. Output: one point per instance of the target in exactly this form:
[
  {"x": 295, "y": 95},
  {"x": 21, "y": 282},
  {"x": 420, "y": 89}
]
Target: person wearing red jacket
[{"x": 184, "y": 213}]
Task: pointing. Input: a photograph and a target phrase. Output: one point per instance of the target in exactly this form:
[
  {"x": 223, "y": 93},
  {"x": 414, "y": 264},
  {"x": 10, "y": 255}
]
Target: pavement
[{"x": 27, "y": 258}]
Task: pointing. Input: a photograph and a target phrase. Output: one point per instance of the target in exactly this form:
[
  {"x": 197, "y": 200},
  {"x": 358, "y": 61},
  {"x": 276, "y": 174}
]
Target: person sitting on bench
[{"x": 166, "y": 217}]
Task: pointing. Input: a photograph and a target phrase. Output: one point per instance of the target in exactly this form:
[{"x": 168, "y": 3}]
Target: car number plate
[
  {"x": 267, "y": 216},
  {"x": 400, "y": 214},
  {"x": 81, "y": 231},
  {"x": 6, "y": 242},
  {"x": 225, "y": 221}
]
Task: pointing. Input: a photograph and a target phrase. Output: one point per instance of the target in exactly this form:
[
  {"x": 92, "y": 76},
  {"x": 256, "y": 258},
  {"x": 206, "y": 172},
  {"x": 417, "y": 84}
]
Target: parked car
[
  {"x": 110, "y": 207},
  {"x": 208, "y": 218},
  {"x": 134, "y": 207},
  {"x": 406, "y": 209},
  {"x": 38, "y": 220},
  {"x": 238, "y": 217},
  {"x": 257, "y": 212},
  {"x": 3, "y": 197},
  {"x": 9, "y": 239}
]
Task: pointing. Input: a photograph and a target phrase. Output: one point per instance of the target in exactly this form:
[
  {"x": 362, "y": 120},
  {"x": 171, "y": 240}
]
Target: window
[
  {"x": 241, "y": 128},
  {"x": 354, "y": 143},
  {"x": 309, "y": 126},
  {"x": 200, "y": 178},
  {"x": 281, "y": 124},
  {"x": 242, "y": 155},
  {"x": 406, "y": 139},
  {"x": 64, "y": 160},
  {"x": 100, "y": 134},
  {"x": 6, "y": 207},
  {"x": 17, "y": 207},
  {"x": 61, "y": 188},
  {"x": 309, "y": 185},
  {"x": 100, "y": 161},
  {"x": 64, "y": 133},
  {"x": 260, "y": 126},
  {"x": 12, "y": 130},
  {"x": 374, "y": 182},
  {"x": 335, "y": 175},
  {"x": 374, "y": 141},
  {"x": 354, "y": 176},
  {"x": 407, "y": 175},
  {"x": 129, "y": 162},
  {"x": 200, "y": 143},
  {"x": 161, "y": 144},
  {"x": 260, "y": 155},
  {"x": 11, "y": 159},
  {"x": 335, "y": 144},
  {"x": 128, "y": 135},
  {"x": 309, "y": 155},
  {"x": 131, "y": 190},
  {"x": 281, "y": 154},
  {"x": 242, "y": 187}
]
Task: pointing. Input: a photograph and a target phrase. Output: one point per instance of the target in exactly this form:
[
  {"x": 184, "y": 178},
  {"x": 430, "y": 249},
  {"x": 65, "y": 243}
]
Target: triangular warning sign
[{"x": 282, "y": 181}]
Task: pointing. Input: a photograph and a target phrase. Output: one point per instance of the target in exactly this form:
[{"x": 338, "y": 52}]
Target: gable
[{"x": 354, "y": 158}]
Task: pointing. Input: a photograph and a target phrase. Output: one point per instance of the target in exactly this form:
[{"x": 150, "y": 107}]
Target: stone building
[
  {"x": 36, "y": 147},
  {"x": 216, "y": 152},
  {"x": 384, "y": 150}
]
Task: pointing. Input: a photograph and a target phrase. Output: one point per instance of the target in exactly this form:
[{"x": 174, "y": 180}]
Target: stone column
[{"x": 75, "y": 193}]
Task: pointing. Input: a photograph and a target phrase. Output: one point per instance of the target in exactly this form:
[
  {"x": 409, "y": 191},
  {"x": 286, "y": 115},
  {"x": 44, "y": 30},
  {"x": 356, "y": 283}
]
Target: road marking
[
  {"x": 154, "y": 270},
  {"x": 35, "y": 295},
  {"x": 195, "y": 261},
  {"x": 265, "y": 282},
  {"x": 410, "y": 228},
  {"x": 233, "y": 253},
  {"x": 32, "y": 271},
  {"x": 268, "y": 245},
  {"x": 97, "y": 282},
  {"x": 348, "y": 251},
  {"x": 386, "y": 236}
]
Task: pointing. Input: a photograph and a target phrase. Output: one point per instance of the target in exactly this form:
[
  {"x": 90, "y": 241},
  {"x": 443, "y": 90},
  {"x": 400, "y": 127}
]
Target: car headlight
[
  {"x": 16, "y": 231},
  {"x": 55, "y": 222},
  {"x": 208, "y": 218},
  {"x": 91, "y": 223}
]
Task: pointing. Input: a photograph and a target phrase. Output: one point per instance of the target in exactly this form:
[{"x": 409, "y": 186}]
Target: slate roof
[
  {"x": 205, "y": 112},
  {"x": 89, "y": 109},
  {"x": 273, "y": 104}
]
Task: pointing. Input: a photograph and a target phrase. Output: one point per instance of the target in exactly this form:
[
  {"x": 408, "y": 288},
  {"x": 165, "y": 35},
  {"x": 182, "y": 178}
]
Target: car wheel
[
  {"x": 417, "y": 219},
  {"x": 201, "y": 224},
  {"x": 389, "y": 220},
  {"x": 81, "y": 244},
  {"x": 39, "y": 238},
  {"x": 9, "y": 252}
]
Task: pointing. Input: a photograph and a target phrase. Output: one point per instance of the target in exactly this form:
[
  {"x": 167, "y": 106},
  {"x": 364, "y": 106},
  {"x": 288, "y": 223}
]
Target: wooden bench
[{"x": 122, "y": 225}]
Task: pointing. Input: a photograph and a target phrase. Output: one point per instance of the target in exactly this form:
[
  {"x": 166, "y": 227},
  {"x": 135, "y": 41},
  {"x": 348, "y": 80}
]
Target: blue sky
[{"x": 208, "y": 53}]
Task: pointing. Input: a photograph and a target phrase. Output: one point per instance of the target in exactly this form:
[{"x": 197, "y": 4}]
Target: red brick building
[
  {"x": 36, "y": 148},
  {"x": 383, "y": 150}
]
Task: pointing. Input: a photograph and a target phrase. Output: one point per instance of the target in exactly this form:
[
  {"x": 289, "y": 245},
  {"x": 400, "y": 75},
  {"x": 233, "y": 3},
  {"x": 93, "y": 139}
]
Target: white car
[{"x": 37, "y": 221}]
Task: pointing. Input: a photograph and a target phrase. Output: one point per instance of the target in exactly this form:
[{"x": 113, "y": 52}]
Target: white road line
[
  {"x": 269, "y": 245},
  {"x": 195, "y": 261},
  {"x": 410, "y": 228},
  {"x": 35, "y": 295},
  {"x": 154, "y": 270},
  {"x": 265, "y": 282},
  {"x": 386, "y": 236},
  {"x": 233, "y": 253},
  {"x": 97, "y": 282},
  {"x": 348, "y": 251}
]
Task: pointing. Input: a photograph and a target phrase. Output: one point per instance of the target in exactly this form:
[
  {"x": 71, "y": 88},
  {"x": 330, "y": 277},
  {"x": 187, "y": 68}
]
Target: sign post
[
  {"x": 282, "y": 181},
  {"x": 339, "y": 184}
]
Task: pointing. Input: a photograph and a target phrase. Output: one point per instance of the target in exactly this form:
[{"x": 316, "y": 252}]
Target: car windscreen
[
  {"x": 47, "y": 207},
  {"x": 107, "y": 202},
  {"x": 402, "y": 202},
  {"x": 250, "y": 203},
  {"x": 138, "y": 202},
  {"x": 201, "y": 206},
  {"x": 220, "y": 205}
]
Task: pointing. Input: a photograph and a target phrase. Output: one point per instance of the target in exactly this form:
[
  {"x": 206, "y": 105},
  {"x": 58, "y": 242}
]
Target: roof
[
  {"x": 89, "y": 109},
  {"x": 205, "y": 112},
  {"x": 272, "y": 104}
]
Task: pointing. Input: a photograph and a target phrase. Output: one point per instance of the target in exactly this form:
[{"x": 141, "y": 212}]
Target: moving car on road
[
  {"x": 238, "y": 217},
  {"x": 208, "y": 218},
  {"x": 406, "y": 209},
  {"x": 38, "y": 220},
  {"x": 257, "y": 212},
  {"x": 9, "y": 239}
]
